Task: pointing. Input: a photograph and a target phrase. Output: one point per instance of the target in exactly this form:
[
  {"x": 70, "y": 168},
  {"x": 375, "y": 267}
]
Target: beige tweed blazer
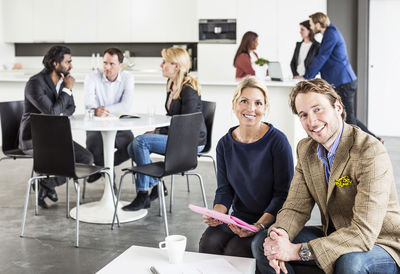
[{"x": 365, "y": 212}]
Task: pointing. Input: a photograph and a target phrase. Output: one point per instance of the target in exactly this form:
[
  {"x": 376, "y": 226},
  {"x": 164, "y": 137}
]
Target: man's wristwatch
[{"x": 305, "y": 252}]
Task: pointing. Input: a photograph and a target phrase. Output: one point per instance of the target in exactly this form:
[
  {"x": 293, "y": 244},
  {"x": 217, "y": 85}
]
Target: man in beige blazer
[{"x": 349, "y": 175}]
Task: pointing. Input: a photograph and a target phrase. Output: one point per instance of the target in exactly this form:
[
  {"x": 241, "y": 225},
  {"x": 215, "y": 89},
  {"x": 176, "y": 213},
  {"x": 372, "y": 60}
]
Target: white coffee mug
[{"x": 175, "y": 245}]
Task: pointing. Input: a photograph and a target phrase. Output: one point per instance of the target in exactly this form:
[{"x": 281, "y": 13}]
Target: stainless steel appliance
[{"x": 217, "y": 31}]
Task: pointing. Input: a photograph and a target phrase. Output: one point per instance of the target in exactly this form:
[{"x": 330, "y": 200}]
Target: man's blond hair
[
  {"x": 318, "y": 86},
  {"x": 320, "y": 18}
]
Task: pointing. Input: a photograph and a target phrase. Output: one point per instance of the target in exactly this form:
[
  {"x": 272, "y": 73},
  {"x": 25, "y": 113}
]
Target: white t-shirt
[{"x": 304, "y": 48}]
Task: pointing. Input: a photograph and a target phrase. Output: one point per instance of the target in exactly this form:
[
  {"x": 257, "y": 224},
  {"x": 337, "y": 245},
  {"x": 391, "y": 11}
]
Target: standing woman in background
[
  {"x": 305, "y": 51},
  {"x": 245, "y": 55}
]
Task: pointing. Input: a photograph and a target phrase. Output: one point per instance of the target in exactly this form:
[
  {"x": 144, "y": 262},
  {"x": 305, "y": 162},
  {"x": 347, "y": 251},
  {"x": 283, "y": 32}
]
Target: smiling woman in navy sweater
[{"x": 255, "y": 167}]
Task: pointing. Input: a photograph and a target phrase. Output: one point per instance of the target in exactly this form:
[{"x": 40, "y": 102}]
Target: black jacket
[
  {"x": 310, "y": 56},
  {"x": 188, "y": 102},
  {"x": 41, "y": 97}
]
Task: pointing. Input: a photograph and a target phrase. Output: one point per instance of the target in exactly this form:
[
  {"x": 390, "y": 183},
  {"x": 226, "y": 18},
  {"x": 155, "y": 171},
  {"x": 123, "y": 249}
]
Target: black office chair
[
  {"x": 180, "y": 156},
  {"x": 53, "y": 155},
  {"x": 10, "y": 114},
  {"x": 208, "y": 110}
]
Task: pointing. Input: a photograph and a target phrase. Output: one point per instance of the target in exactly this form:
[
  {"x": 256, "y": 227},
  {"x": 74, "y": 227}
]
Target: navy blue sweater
[{"x": 254, "y": 178}]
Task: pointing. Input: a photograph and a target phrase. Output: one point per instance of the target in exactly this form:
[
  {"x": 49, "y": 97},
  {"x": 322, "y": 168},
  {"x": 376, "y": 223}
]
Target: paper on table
[
  {"x": 128, "y": 116},
  {"x": 228, "y": 219},
  {"x": 212, "y": 266}
]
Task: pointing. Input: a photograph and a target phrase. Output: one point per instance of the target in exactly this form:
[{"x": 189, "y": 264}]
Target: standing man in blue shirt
[{"x": 333, "y": 64}]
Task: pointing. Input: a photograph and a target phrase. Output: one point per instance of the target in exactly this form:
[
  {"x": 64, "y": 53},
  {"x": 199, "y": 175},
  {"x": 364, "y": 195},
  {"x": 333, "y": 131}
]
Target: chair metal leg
[
  {"x": 115, "y": 216},
  {"x": 28, "y": 192},
  {"x": 213, "y": 160},
  {"x": 203, "y": 193},
  {"x": 171, "y": 194},
  {"x": 133, "y": 174},
  {"x": 67, "y": 193},
  {"x": 84, "y": 189},
  {"x": 215, "y": 166},
  {"x": 162, "y": 198},
  {"x": 187, "y": 183},
  {"x": 159, "y": 200},
  {"x": 36, "y": 198},
  {"x": 78, "y": 194},
  {"x": 116, "y": 203},
  {"x": 32, "y": 171}
]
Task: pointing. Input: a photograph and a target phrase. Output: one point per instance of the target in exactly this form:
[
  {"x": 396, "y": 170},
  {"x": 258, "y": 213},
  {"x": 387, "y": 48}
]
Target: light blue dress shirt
[{"x": 116, "y": 96}]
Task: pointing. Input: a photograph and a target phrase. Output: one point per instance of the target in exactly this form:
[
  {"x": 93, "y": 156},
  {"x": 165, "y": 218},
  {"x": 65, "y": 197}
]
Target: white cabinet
[
  {"x": 164, "y": 21},
  {"x": 98, "y": 21},
  {"x": 17, "y": 21},
  {"x": 48, "y": 21},
  {"x": 220, "y": 9},
  {"x": 114, "y": 20},
  {"x": 215, "y": 62},
  {"x": 81, "y": 23},
  {"x": 89, "y": 21},
  {"x": 251, "y": 18}
]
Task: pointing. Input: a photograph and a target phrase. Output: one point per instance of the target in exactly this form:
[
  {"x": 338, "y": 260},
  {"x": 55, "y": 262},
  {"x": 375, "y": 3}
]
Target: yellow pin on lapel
[{"x": 344, "y": 181}]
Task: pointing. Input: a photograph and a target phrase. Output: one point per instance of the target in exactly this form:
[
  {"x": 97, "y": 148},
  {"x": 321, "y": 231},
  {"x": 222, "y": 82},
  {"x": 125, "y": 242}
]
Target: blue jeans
[
  {"x": 141, "y": 148},
  {"x": 377, "y": 260}
]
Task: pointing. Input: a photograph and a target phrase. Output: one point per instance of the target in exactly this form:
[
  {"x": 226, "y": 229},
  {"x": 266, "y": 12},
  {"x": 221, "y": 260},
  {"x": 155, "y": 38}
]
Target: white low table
[
  {"x": 139, "y": 259},
  {"x": 101, "y": 212}
]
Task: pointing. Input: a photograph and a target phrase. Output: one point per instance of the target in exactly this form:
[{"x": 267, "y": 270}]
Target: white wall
[
  {"x": 384, "y": 57},
  {"x": 6, "y": 50},
  {"x": 290, "y": 14}
]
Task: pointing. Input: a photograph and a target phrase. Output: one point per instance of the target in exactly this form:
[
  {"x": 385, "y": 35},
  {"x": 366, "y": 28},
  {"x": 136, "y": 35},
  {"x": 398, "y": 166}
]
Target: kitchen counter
[
  {"x": 145, "y": 76},
  {"x": 141, "y": 76}
]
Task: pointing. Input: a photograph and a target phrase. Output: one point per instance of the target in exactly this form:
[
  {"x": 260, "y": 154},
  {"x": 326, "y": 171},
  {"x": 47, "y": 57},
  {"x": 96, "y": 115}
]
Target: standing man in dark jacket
[
  {"x": 334, "y": 65},
  {"x": 50, "y": 92}
]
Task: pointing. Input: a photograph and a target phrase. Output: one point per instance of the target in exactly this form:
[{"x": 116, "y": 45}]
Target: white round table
[{"x": 101, "y": 212}]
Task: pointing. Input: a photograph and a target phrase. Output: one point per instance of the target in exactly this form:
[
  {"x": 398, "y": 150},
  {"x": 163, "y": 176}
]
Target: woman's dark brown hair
[
  {"x": 306, "y": 24},
  {"x": 245, "y": 45}
]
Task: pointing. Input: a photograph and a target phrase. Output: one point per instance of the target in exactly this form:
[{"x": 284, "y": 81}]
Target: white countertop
[
  {"x": 269, "y": 83},
  {"x": 141, "y": 77}
]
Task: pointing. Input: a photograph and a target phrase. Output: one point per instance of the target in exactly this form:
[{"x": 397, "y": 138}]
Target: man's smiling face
[{"x": 319, "y": 118}]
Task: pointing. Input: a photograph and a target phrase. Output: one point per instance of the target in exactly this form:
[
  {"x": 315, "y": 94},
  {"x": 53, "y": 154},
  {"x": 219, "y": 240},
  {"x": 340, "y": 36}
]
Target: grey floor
[{"x": 48, "y": 245}]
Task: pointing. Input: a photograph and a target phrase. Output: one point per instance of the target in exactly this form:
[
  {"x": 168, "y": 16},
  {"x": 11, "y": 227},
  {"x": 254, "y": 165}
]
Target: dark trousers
[
  {"x": 82, "y": 156},
  {"x": 221, "y": 240},
  {"x": 94, "y": 143},
  {"x": 347, "y": 92},
  {"x": 307, "y": 234}
]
